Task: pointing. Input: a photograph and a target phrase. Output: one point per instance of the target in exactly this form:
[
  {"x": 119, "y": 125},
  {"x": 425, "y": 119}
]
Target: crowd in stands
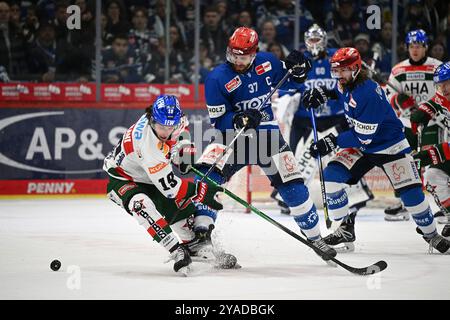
[{"x": 36, "y": 45}]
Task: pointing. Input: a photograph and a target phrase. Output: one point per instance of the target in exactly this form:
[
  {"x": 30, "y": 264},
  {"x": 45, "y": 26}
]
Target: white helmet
[{"x": 316, "y": 39}]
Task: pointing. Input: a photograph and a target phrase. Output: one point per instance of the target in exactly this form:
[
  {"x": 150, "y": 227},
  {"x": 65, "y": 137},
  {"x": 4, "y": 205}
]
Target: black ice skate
[
  {"x": 442, "y": 217},
  {"x": 446, "y": 231},
  {"x": 396, "y": 212},
  {"x": 342, "y": 239},
  {"x": 439, "y": 243},
  {"x": 201, "y": 242},
  {"x": 326, "y": 253},
  {"x": 182, "y": 260}
]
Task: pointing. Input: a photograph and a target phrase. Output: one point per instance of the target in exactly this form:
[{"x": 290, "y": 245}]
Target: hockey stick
[
  {"x": 432, "y": 190},
  {"x": 322, "y": 181},
  {"x": 230, "y": 145},
  {"x": 372, "y": 269}
]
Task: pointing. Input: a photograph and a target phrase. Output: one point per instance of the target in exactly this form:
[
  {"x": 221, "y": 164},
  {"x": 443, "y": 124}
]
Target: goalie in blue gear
[{"x": 234, "y": 93}]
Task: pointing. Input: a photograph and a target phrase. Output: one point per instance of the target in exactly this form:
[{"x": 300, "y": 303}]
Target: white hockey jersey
[
  {"x": 141, "y": 157},
  {"x": 413, "y": 80}
]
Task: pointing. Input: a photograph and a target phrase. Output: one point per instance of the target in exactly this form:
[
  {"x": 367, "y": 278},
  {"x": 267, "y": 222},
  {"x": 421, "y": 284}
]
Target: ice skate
[
  {"x": 442, "y": 217},
  {"x": 328, "y": 252},
  {"x": 201, "y": 245},
  {"x": 182, "y": 260},
  {"x": 396, "y": 212},
  {"x": 446, "y": 231},
  {"x": 343, "y": 238},
  {"x": 439, "y": 243}
]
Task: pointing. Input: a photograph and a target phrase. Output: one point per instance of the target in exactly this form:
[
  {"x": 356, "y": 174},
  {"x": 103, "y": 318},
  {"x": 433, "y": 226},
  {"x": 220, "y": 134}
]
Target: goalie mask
[{"x": 316, "y": 40}]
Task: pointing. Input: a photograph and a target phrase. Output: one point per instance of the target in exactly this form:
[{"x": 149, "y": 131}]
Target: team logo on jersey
[
  {"x": 398, "y": 171},
  {"x": 157, "y": 168},
  {"x": 263, "y": 68},
  {"x": 233, "y": 84},
  {"x": 126, "y": 187}
]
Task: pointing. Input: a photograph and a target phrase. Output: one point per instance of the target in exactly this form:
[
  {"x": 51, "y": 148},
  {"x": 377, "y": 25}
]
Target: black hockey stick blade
[{"x": 367, "y": 271}]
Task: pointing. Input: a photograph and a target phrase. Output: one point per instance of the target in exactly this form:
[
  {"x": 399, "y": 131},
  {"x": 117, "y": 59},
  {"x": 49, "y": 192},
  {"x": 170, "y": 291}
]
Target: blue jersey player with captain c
[
  {"x": 375, "y": 138},
  {"x": 234, "y": 91}
]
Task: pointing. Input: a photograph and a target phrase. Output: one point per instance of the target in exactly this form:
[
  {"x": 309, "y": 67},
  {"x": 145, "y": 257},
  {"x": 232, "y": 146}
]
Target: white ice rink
[{"x": 105, "y": 254}]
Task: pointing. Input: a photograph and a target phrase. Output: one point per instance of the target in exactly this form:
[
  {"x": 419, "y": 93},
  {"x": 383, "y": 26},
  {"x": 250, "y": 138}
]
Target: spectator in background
[
  {"x": 12, "y": 45},
  {"x": 345, "y": 25},
  {"x": 213, "y": 36},
  {"x": 268, "y": 36},
  {"x": 438, "y": 51},
  {"x": 141, "y": 38},
  {"x": 14, "y": 16},
  {"x": 158, "y": 19},
  {"x": 51, "y": 59},
  {"x": 277, "y": 49},
  {"x": 60, "y": 20},
  {"x": 362, "y": 44},
  {"x": 283, "y": 18},
  {"x": 420, "y": 17},
  {"x": 245, "y": 19},
  {"x": 31, "y": 24},
  {"x": 185, "y": 12},
  {"x": 206, "y": 64},
  {"x": 382, "y": 50},
  {"x": 120, "y": 63},
  {"x": 116, "y": 17},
  {"x": 107, "y": 37},
  {"x": 226, "y": 17}
]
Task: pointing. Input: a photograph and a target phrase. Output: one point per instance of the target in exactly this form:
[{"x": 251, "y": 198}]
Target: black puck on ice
[{"x": 55, "y": 265}]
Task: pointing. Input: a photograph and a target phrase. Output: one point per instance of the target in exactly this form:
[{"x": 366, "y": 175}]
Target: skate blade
[
  {"x": 345, "y": 247},
  {"x": 395, "y": 218},
  {"x": 442, "y": 220},
  {"x": 185, "y": 271}
]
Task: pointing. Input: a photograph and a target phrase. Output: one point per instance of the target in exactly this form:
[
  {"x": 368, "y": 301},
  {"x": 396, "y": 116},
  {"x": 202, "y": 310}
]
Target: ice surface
[{"x": 105, "y": 254}]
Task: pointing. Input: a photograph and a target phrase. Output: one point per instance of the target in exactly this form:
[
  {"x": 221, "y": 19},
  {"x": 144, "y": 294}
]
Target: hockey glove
[
  {"x": 434, "y": 155},
  {"x": 183, "y": 156},
  {"x": 201, "y": 192},
  {"x": 248, "y": 119},
  {"x": 323, "y": 146},
  {"x": 421, "y": 117},
  {"x": 316, "y": 97},
  {"x": 404, "y": 102},
  {"x": 299, "y": 64}
]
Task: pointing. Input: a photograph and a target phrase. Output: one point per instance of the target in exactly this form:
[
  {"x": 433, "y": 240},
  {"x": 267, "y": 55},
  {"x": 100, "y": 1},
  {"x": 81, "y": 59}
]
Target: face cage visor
[
  {"x": 315, "y": 45},
  {"x": 240, "y": 59}
]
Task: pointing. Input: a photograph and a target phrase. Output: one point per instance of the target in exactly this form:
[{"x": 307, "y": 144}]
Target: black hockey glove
[
  {"x": 299, "y": 64},
  {"x": 316, "y": 97},
  {"x": 323, "y": 146},
  {"x": 248, "y": 119}
]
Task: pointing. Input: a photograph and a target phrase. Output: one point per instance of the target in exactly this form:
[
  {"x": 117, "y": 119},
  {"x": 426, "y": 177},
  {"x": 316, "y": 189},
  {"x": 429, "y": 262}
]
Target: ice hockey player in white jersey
[
  {"x": 375, "y": 138},
  {"x": 434, "y": 117},
  {"x": 142, "y": 181},
  {"x": 413, "y": 79},
  {"x": 234, "y": 91}
]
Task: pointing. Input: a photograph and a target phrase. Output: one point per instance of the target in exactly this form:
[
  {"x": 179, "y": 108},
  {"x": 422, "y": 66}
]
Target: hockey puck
[{"x": 55, "y": 265}]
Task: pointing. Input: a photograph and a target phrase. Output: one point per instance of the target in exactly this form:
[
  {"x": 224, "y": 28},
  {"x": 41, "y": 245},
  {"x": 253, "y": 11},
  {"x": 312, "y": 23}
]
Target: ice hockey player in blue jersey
[
  {"x": 234, "y": 91},
  {"x": 376, "y": 138},
  {"x": 330, "y": 116}
]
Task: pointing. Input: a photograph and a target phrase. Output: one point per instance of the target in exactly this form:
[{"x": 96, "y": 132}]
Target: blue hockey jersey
[
  {"x": 320, "y": 76},
  {"x": 375, "y": 127},
  {"x": 228, "y": 92}
]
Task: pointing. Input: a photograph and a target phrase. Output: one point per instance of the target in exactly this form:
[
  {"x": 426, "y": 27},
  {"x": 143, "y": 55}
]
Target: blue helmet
[
  {"x": 166, "y": 110},
  {"x": 416, "y": 36},
  {"x": 442, "y": 73}
]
